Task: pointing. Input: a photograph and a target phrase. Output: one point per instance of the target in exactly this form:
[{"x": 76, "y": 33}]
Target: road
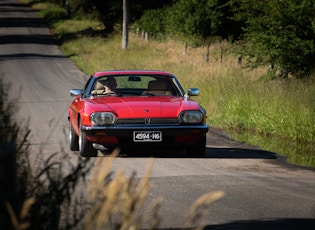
[{"x": 261, "y": 191}]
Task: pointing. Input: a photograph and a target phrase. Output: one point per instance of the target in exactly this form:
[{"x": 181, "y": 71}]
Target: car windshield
[{"x": 145, "y": 85}]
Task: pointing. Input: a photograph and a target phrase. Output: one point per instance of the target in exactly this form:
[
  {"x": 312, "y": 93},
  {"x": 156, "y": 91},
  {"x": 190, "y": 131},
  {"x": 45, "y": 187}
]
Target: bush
[{"x": 53, "y": 13}]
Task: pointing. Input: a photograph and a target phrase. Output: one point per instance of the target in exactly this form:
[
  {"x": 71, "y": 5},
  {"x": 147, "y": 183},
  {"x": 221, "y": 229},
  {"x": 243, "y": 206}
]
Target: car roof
[{"x": 132, "y": 72}]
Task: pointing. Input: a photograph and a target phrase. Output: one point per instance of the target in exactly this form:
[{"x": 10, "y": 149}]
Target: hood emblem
[{"x": 146, "y": 110}]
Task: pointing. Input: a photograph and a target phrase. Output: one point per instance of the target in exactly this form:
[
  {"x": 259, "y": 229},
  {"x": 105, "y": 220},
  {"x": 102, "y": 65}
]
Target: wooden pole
[{"x": 125, "y": 24}]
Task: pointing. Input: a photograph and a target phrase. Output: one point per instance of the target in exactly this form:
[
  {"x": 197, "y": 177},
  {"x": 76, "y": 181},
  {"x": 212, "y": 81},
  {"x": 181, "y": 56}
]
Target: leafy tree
[
  {"x": 280, "y": 33},
  {"x": 139, "y": 7},
  {"x": 195, "y": 20},
  {"x": 109, "y": 13},
  {"x": 153, "y": 21}
]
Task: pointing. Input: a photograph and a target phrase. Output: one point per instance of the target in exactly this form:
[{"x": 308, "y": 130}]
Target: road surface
[{"x": 261, "y": 191}]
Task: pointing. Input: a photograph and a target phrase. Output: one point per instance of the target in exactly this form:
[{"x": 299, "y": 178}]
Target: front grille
[{"x": 148, "y": 121}]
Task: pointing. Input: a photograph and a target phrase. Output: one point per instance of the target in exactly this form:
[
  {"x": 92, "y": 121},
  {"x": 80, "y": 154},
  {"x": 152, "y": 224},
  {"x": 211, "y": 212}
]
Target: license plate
[{"x": 147, "y": 136}]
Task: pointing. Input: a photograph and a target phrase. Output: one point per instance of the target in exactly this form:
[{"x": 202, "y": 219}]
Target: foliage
[
  {"x": 108, "y": 12},
  {"x": 280, "y": 33},
  {"x": 13, "y": 139},
  {"x": 118, "y": 200},
  {"x": 153, "y": 21},
  {"x": 53, "y": 13},
  {"x": 191, "y": 21},
  {"x": 8, "y": 128},
  {"x": 195, "y": 19},
  {"x": 199, "y": 208},
  {"x": 54, "y": 191}
]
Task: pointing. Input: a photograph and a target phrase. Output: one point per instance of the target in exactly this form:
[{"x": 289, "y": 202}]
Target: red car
[{"x": 135, "y": 109}]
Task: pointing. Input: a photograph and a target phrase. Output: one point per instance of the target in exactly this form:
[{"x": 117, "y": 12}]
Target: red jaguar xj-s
[{"x": 135, "y": 109}]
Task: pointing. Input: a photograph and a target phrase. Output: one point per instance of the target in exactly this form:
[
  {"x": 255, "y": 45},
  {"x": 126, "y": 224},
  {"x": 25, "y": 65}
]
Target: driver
[{"x": 109, "y": 85}]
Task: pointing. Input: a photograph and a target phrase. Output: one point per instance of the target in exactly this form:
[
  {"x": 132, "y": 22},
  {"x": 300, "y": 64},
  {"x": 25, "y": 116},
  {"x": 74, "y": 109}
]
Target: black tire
[
  {"x": 73, "y": 139},
  {"x": 198, "y": 149},
  {"x": 85, "y": 146}
]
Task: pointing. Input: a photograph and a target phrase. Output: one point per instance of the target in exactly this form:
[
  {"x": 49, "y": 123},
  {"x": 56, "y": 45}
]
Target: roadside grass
[{"x": 236, "y": 98}]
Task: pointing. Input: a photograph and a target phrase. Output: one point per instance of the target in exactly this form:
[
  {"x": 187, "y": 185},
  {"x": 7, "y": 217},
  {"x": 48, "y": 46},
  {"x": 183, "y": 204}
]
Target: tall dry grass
[{"x": 120, "y": 200}]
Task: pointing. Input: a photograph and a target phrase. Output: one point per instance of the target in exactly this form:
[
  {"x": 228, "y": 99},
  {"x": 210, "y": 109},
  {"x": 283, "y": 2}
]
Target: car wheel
[
  {"x": 198, "y": 148},
  {"x": 85, "y": 146},
  {"x": 73, "y": 139}
]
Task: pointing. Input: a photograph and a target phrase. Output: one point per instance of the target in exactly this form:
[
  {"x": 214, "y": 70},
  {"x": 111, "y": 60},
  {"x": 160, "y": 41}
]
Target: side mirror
[
  {"x": 193, "y": 92},
  {"x": 75, "y": 92}
]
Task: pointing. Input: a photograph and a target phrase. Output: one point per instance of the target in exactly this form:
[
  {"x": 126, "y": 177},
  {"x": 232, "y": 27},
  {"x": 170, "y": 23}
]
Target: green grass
[
  {"x": 280, "y": 108},
  {"x": 235, "y": 97}
]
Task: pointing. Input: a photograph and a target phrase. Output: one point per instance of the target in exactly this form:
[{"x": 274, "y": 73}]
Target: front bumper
[{"x": 123, "y": 135}]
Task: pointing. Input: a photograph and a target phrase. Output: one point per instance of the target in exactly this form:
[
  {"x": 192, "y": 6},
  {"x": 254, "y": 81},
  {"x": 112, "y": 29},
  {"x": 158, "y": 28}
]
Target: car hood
[{"x": 144, "y": 106}]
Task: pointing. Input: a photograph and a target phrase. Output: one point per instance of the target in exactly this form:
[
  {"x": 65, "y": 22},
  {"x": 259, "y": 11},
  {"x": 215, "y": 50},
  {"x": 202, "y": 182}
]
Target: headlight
[
  {"x": 102, "y": 118},
  {"x": 190, "y": 117}
]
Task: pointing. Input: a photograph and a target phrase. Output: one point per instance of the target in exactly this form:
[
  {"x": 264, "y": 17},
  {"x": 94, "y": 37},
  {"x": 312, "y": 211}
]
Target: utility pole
[
  {"x": 125, "y": 24},
  {"x": 68, "y": 13}
]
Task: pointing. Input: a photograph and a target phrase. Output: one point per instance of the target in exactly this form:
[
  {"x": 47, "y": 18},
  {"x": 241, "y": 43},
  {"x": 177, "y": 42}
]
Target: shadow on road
[
  {"x": 239, "y": 153},
  {"x": 227, "y": 153},
  {"x": 287, "y": 224},
  {"x": 276, "y": 224}
]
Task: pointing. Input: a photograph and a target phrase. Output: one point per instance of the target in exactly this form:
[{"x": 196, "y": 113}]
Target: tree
[
  {"x": 280, "y": 33},
  {"x": 110, "y": 12},
  {"x": 195, "y": 20},
  {"x": 153, "y": 21}
]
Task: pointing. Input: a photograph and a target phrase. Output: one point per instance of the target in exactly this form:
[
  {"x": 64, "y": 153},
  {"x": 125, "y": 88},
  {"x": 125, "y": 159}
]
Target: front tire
[
  {"x": 85, "y": 146},
  {"x": 73, "y": 139}
]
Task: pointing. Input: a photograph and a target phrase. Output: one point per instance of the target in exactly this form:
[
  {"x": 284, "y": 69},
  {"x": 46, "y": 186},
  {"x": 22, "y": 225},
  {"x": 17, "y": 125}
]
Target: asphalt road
[{"x": 261, "y": 191}]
